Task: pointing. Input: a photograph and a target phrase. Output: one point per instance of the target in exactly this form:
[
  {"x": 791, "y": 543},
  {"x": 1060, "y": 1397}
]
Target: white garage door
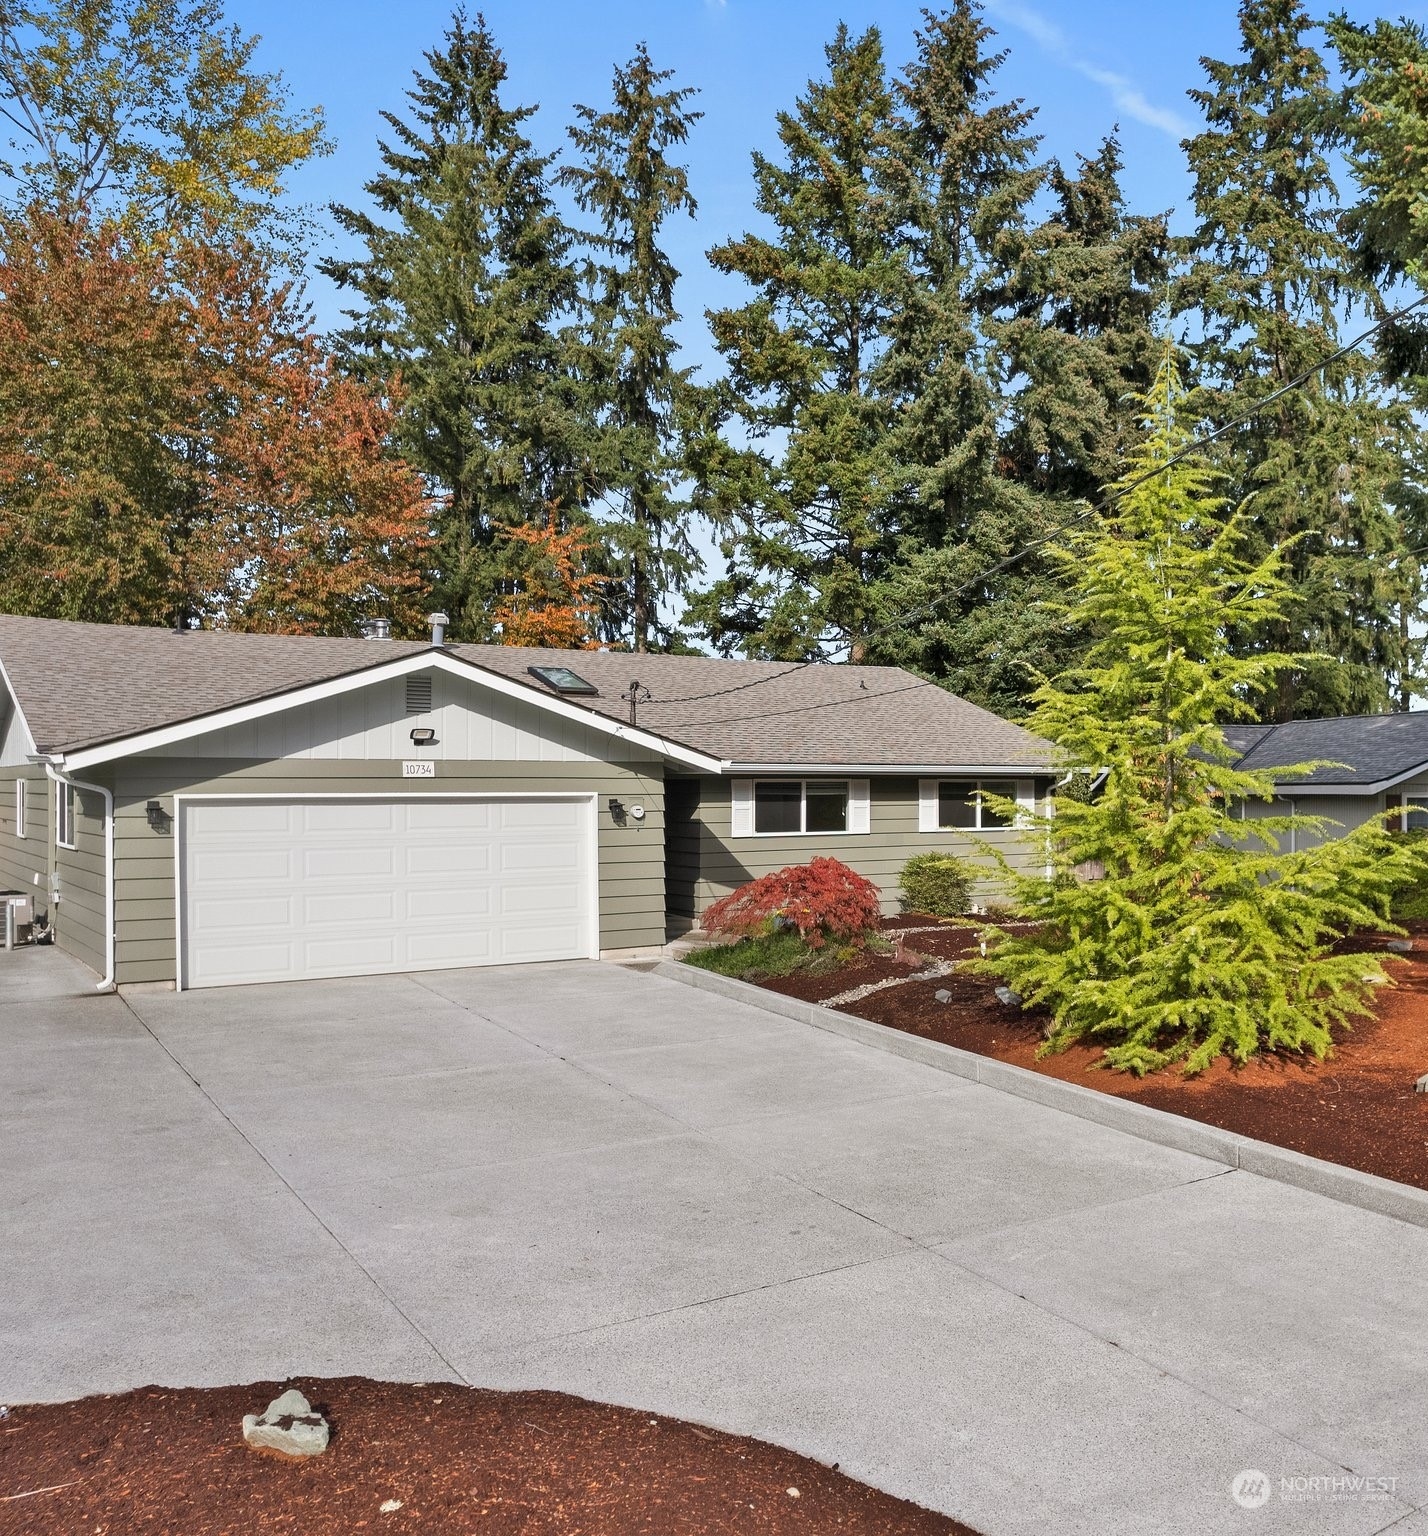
[{"x": 279, "y": 890}]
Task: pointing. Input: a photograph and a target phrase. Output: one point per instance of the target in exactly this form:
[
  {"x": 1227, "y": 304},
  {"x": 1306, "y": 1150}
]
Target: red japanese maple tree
[{"x": 822, "y": 899}]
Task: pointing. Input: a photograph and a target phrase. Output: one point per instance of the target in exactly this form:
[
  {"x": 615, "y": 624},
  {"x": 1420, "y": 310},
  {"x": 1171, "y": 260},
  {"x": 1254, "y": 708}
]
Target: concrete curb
[{"x": 1385, "y": 1196}]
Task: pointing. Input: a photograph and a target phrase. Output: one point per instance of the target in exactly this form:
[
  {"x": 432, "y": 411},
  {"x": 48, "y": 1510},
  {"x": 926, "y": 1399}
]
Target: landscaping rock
[
  {"x": 288, "y": 1427},
  {"x": 1422, "y": 1084},
  {"x": 1400, "y": 946},
  {"x": 1010, "y": 998},
  {"x": 942, "y": 995}
]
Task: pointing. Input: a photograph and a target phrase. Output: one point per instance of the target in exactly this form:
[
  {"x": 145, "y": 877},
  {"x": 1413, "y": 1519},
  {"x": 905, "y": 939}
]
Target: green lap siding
[
  {"x": 631, "y": 856},
  {"x": 706, "y": 861},
  {"x": 25, "y": 861}
]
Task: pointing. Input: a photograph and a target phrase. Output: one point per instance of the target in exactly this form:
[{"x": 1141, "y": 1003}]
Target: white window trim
[
  {"x": 744, "y": 807},
  {"x": 929, "y": 808},
  {"x": 66, "y": 814},
  {"x": 22, "y": 809}
]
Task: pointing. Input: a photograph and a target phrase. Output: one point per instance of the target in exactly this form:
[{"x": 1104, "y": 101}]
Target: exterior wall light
[
  {"x": 157, "y": 815},
  {"x": 422, "y": 735}
]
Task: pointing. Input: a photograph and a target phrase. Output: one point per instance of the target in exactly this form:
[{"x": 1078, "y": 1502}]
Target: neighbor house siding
[
  {"x": 631, "y": 857},
  {"x": 1349, "y": 811},
  {"x": 712, "y": 861}
]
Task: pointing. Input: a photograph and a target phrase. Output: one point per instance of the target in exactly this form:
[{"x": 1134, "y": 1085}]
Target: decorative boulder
[
  {"x": 288, "y": 1427},
  {"x": 1010, "y": 999},
  {"x": 1400, "y": 946},
  {"x": 1422, "y": 1084},
  {"x": 942, "y": 995}
]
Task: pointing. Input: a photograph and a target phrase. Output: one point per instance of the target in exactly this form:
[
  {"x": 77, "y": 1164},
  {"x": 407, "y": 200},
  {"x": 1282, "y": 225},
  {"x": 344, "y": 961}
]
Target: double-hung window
[
  {"x": 964, "y": 805},
  {"x": 21, "y": 830},
  {"x": 799, "y": 807},
  {"x": 64, "y": 815}
]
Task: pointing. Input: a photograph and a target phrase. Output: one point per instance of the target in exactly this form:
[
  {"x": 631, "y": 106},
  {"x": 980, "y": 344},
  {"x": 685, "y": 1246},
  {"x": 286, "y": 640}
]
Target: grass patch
[
  {"x": 780, "y": 954},
  {"x": 769, "y": 954}
]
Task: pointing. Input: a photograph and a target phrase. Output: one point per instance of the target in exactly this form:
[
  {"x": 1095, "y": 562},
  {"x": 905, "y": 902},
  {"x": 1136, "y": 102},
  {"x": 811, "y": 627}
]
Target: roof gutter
[
  {"x": 58, "y": 777},
  {"x": 944, "y": 770}
]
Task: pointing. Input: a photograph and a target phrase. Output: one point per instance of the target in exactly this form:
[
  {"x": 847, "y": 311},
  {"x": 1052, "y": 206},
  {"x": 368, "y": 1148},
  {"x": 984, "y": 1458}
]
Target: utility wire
[{"x": 1088, "y": 509}]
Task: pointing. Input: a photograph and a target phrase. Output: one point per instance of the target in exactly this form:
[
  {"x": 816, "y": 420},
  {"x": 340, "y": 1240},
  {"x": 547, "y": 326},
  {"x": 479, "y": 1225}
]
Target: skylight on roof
[{"x": 563, "y": 680}]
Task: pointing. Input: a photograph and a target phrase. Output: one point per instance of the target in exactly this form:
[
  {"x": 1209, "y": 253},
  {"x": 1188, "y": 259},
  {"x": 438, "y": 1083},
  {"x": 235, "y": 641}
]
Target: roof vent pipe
[
  {"x": 438, "y": 622},
  {"x": 376, "y": 629}
]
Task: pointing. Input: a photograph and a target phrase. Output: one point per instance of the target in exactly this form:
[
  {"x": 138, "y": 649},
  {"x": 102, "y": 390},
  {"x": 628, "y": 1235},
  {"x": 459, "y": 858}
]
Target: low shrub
[
  {"x": 939, "y": 884},
  {"x": 819, "y": 901}
]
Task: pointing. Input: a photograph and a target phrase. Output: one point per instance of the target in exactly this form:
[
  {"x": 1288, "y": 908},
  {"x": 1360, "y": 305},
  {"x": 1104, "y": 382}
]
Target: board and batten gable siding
[
  {"x": 631, "y": 857},
  {"x": 371, "y": 724},
  {"x": 707, "y": 861}
]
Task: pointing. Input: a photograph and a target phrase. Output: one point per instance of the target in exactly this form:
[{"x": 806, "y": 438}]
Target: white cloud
[{"x": 1124, "y": 92}]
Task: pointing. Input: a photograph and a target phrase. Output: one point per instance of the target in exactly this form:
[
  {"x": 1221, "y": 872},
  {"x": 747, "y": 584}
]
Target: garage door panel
[
  {"x": 350, "y": 816},
  {"x": 279, "y": 891},
  {"x": 454, "y": 858},
  {"x": 345, "y": 908},
  {"x": 360, "y": 861}
]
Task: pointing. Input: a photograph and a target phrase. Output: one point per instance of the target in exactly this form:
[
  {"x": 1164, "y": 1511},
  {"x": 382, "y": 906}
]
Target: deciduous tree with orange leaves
[
  {"x": 555, "y": 598},
  {"x": 176, "y": 448}
]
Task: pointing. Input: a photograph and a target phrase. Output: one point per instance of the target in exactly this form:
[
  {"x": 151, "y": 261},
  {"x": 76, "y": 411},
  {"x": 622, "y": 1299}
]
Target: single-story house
[
  {"x": 1382, "y": 765},
  {"x": 205, "y": 807}
]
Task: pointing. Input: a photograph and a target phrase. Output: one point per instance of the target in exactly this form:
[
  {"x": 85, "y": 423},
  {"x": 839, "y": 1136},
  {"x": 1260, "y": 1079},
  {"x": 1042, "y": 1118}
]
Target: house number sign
[{"x": 418, "y": 770}]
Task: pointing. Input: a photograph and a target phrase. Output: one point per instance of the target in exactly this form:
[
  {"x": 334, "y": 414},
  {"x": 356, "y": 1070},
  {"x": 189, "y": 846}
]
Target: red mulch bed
[
  {"x": 1357, "y": 1108},
  {"x": 163, "y": 1460}
]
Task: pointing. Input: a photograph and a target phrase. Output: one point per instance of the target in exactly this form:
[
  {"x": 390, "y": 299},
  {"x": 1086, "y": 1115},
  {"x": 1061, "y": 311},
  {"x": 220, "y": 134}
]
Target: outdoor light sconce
[
  {"x": 617, "y": 811},
  {"x": 158, "y": 816},
  {"x": 422, "y": 735}
]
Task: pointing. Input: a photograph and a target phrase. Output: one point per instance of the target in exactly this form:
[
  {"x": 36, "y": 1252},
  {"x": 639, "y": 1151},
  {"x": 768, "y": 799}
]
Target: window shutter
[
  {"x": 927, "y": 813},
  {"x": 1025, "y": 801},
  {"x": 860, "y": 810},
  {"x": 743, "y": 808}
]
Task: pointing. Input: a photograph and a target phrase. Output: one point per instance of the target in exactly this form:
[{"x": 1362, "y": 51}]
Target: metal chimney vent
[
  {"x": 376, "y": 629},
  {"x": 419, "y": 693}
]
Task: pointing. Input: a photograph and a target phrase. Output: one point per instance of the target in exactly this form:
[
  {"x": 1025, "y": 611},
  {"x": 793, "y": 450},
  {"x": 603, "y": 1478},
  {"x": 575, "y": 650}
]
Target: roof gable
[{"x": 93, "y": 692}]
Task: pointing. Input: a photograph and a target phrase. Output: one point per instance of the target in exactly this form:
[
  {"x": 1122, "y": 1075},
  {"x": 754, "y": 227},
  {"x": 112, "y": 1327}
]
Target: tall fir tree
[
  {"x": 792, "y": 465},
  {"x": 1270, "y": 274},
  {"x": 627, "y": 181},
  {"x": 468, "y": 291},
  {"x": 964, "y": 177},
  {"x": 1081, "y": 335}
]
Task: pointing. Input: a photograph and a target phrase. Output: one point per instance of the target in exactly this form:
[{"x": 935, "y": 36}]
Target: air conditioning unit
[{"x": 24, "y": 909}]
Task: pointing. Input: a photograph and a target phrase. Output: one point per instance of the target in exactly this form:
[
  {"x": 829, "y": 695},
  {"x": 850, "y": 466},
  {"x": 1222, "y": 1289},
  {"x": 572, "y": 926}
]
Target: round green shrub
[{"x": 939, "y": 884}]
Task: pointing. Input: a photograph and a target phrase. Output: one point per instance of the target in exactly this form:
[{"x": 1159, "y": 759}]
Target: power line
[{"x": 1089, "y": 509}]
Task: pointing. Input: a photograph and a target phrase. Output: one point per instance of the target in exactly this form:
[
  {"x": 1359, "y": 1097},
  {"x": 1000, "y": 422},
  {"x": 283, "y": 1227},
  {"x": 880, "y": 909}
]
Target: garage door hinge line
[{"x": 257, "y": 1151}]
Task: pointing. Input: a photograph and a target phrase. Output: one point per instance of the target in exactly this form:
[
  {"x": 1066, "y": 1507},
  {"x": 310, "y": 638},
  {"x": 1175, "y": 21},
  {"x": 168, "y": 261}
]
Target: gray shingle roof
[
  {"x": 84, "y": 684},
  {"x": 1372, "y": 747}
]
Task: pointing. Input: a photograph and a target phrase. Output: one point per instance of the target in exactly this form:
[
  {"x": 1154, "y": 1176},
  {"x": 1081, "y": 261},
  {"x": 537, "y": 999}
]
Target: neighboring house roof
[
  {"x": 82, "y": 685},
  {"x": 1374, "y": 750}
]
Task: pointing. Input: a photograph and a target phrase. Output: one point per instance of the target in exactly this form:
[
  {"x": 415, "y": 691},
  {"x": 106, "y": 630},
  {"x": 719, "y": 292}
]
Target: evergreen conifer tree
[
  {"x": 467, "y": 290},
  {"x": 627, "y": 181},
  {"x": 964, "y": 175},
  {"x": 792, "y": 464},
  {"x": 1198, "y": 939},
  {"x": 1270, "y": 274}
]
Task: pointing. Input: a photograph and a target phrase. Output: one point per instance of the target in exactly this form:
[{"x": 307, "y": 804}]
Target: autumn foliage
[
  {"x": 823, "y": 900},
  {"x": 555, "y": 596},
  {"x": 175, "y": 447}
]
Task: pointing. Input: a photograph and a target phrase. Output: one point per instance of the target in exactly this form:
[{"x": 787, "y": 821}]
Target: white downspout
[{"x": 106, "y": 983}]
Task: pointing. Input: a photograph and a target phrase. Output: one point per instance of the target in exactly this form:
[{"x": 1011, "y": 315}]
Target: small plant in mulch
[{"x": 818, "y": 914}]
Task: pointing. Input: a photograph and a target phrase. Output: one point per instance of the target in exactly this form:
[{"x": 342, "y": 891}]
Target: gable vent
[{"x": 419, "y": 693}]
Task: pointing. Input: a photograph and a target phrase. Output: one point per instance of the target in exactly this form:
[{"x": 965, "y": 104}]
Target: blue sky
[{"x": 1086, "y": 65}]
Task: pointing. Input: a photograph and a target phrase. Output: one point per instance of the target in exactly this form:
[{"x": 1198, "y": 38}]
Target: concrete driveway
[{"x": 584, "y": 1178}]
